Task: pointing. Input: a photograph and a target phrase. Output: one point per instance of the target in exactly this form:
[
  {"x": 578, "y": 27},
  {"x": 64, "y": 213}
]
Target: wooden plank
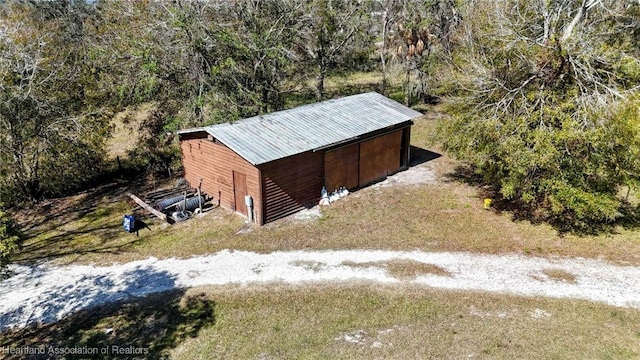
[
  {"x": 148, "y": 207},
  {"x": 259, "y": 203},
  {"x": 291, "y": 183},
  {"x": 341, "y": 167},
  {"x": 379, "y": 157}
]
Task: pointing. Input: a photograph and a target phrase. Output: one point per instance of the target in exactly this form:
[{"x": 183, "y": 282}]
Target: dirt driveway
[{"x": 46, "y": 293}]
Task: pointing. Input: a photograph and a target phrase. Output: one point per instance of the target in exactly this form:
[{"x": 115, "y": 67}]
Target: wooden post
[
  {"x": 184, "y": 201},
  {"x": 200, "y": 196},
  {"x": 147, "y": 207}
]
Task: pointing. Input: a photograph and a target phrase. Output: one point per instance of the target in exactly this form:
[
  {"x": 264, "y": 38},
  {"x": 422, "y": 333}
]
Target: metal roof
[{"x": 273, "y": 136}]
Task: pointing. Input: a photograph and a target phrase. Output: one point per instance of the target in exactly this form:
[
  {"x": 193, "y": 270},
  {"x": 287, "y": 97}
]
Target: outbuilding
[{"x": 270, "y": 166}]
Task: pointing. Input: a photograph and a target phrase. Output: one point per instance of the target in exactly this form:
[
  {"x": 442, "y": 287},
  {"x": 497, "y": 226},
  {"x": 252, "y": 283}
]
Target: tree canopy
[
  {"x": 551, "y": 113},
  {"x": 51, "y": 133},
  {"x": 68, "y": 66},
  {"x": 548, "y": 89}
]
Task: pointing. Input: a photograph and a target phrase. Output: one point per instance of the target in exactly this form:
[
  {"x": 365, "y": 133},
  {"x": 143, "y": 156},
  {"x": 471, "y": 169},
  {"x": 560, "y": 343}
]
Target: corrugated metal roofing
[{"x": 273, "y": 136}]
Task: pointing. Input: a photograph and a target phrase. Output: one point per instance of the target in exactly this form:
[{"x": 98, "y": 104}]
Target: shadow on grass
[
  {"x": 89, "y": 222},
  {"x": 421, "y": 156},
  {"x": 145, "y": 327},
  {"x": 628, "y": 214},
  {"x": 308, "y": 96},
  {"x": 45, "y": 253},
  {"x": 65, "y": 210},
  {"x": 341, "y": 84},
  {"x": 347, "y": 89},
  {"x": 81, "y": 206},
  {"x": 107, "y": 239}
]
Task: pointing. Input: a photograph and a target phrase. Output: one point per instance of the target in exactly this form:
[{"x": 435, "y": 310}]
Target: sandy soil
[{"x": 47, "y": 293}]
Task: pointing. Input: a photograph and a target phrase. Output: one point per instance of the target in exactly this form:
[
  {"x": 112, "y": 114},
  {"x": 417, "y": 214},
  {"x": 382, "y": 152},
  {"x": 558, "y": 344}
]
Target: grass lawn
[
  {"x": 348, "y": 321},
  {"x": 331, "y": 321},
  {"x": 442, "y": 215}
]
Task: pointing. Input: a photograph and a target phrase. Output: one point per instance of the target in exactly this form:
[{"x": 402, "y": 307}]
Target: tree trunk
[
  {"x": 320, "y": 82},
  {"x": 407, "y": 87},
  {"x": 383, "y": 50},
  {"x": 383, "y": 85},
  {"x": 265, "y": 101}
]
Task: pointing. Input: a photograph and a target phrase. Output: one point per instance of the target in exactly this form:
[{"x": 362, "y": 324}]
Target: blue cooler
[{"x": 129, "y": 223}]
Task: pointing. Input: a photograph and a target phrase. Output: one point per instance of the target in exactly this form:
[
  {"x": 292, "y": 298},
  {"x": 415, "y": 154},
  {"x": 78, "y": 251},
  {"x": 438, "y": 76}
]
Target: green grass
[
  {"x": 356, "y": 321},
  {"x": 442, "y": 216},
  {"x": 325, "y": 321}
]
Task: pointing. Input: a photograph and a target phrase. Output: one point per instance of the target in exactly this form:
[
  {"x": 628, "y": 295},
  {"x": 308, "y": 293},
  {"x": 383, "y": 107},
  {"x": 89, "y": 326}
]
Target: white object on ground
[
  {"x": 47, "y": 293},
  {"x": 324, "y": 196}
]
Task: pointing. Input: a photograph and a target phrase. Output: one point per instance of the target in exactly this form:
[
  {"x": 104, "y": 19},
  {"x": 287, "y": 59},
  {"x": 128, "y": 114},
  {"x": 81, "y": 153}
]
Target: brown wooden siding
[
  {"x": 341, "y": 167},
  {"x": 291, "y": 183},
  {"x": 284, "y": 186},
  {"x": 215, "y": 164},
  {"x": 379, "y": 157},
  {"x": 404, "y": 147},
  {"x": 240, "y": 191}
]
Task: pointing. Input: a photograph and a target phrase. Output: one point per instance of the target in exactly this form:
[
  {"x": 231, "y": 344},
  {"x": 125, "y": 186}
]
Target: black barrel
[
  {"x": 163, "y": 204},
  {"x": 191, "y": 204}
]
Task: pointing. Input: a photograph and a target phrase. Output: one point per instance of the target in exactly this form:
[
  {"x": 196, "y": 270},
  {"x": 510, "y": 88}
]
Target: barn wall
[
  {"x": 341, "y": 167},
  {"x": 380, "y": 157},
  {"x": 285, "y": 186},
  {"x": 291, "y": 183},
  {"x": 370, "y": 160},
  {"x": 215, "y": 164}
]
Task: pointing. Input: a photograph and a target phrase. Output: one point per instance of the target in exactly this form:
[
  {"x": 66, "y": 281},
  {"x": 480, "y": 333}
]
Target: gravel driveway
[{"x": 46, "y": 293}]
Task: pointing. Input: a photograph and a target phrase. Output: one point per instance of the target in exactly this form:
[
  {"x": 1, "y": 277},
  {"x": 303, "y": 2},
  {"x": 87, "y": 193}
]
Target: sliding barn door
[{"x": 341, "y": 167}]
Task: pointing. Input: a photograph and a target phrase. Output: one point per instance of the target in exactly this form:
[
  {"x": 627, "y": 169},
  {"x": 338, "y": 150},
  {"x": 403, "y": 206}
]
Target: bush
[
  {"x": 545, "y": 118},
  {"x": 9, "y": 238},
  {"x": 569, "y": 175}
]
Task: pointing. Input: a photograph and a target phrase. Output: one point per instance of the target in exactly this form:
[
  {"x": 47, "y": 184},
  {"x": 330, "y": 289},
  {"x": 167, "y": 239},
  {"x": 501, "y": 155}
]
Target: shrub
[{"x": 9, "y": 238}]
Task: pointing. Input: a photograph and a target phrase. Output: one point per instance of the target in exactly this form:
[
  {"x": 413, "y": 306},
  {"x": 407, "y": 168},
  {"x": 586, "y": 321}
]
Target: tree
[
  {"x": 51, "y": 140},
  {"x": 419, "y": 35},
  {"x": 9, "y": 238},
  {"x": 254, "y": 65},
  {"x": 213, "y": 61},
  {"x": 551, "y": 116},
  {"x": 388, "y": 17},
  {"x": 334, "y": 34},
  {"x": 199, "y": 63}
]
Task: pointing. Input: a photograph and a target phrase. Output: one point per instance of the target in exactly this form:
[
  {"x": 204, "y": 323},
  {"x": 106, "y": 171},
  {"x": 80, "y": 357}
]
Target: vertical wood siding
[
  {"x": 215, "y": 164},
  {"x": 291, "y": 183},
  {"x": 282, "y": 187},
  {"x": 405, "y": 148},
  {"x": 379, "y": 157},
  {"x": 341, "y": 167}
]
